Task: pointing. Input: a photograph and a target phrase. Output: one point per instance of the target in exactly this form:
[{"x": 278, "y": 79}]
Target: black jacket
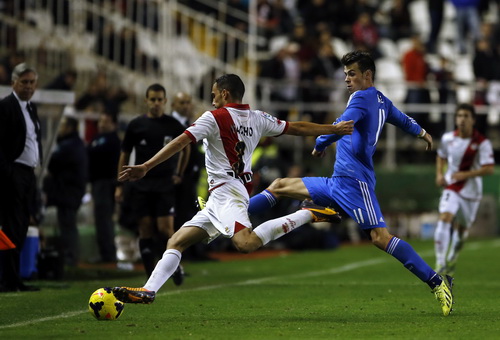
[
  {"x": 67, "y": 178},
  {"x": 13, "y": 132}
]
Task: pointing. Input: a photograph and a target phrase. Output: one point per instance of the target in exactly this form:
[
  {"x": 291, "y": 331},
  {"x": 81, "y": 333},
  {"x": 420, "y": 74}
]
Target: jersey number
[{"x": 239, "y": 166}]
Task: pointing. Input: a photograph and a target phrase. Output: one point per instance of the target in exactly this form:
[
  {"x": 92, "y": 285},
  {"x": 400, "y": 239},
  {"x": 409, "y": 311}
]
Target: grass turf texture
[{"x": 354, "y": 292}]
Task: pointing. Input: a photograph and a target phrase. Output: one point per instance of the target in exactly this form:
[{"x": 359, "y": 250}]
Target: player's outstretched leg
[
  {"x": 321, "y": 214},
  {"x": 444, "y": 294},
  {"x": 134, "y": 295}
]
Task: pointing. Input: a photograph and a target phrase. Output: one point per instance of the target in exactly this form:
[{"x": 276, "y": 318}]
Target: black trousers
[
  {"x": 103, "y": 195},
  {"x": 17, "y": 193}
]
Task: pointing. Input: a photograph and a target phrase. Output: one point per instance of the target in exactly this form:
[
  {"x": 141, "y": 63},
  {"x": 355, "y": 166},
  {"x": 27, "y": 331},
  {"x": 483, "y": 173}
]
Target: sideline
[{"x": 332, "y": 271}]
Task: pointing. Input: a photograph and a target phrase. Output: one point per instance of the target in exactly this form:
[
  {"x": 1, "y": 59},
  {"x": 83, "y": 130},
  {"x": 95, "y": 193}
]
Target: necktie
[{"x": 34, "y": 119}]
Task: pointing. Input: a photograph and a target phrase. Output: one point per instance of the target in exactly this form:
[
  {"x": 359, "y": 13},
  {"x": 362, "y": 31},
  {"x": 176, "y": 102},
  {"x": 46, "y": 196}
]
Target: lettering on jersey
[{"x": 243, "y": 130}]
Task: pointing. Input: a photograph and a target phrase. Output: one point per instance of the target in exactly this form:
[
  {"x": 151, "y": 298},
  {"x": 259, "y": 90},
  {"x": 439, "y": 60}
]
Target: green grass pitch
[{"x": 354, "y": 292}]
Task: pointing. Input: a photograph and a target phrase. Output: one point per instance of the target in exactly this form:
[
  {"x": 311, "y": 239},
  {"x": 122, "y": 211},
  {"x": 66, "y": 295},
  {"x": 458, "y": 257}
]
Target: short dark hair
[
  {"x": 466, "y": 107},
  {"x": 72, "y": 123},
  {"x": 156, "y": 88},
  {"x": 21, "y": 69},
  {"x": 113, "y": 116},
  {"x": 233, "y": 84},
  {"x": 363, "y": 58}
]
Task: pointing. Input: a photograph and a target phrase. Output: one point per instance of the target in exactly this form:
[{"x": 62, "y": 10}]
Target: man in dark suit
[{"x": 20, "y": 153}]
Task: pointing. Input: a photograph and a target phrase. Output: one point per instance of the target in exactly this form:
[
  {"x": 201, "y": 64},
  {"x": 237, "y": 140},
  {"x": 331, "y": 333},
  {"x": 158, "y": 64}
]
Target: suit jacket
[{"x": 13, "y": 132}]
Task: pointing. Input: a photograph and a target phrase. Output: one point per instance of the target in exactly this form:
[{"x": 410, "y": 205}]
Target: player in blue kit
[{"x": 352, "y": 186}]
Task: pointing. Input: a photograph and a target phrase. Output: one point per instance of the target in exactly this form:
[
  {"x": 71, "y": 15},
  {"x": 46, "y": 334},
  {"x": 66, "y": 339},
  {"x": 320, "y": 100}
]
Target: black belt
[
  {"x": 24, "y": 166},
  {"x": 246, "y": 177}
]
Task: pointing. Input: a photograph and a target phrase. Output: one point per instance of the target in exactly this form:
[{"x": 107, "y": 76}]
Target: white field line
[{"x": 332, "y": 271}]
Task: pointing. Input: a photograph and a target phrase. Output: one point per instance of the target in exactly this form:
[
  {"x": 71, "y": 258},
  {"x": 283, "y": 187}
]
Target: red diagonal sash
[{"x": 468, "y": 158}]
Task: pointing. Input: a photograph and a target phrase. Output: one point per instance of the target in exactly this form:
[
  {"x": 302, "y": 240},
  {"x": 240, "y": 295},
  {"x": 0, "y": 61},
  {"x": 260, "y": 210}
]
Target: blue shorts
[{"x": 353, "y": 196}]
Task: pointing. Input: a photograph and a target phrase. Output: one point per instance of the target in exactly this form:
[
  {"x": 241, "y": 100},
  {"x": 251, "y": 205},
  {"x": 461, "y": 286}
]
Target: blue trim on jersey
[{"x": 353, "y": 196}]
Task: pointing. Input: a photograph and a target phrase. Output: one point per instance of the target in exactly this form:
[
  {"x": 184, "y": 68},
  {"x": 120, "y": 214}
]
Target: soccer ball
[{"x": 104, "y": 306}]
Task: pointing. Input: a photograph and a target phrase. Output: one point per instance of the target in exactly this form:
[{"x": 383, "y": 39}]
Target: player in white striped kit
[
  {"x": 468, "y": 156},
  {"x": 230, "y": 134}
]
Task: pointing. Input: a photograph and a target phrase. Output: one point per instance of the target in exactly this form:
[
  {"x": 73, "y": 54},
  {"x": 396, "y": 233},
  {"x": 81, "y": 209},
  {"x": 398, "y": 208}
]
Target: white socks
[
  {"x": 164, "y": 269},
  {"x": 441, "y": 242},
  {"x": 457, "y": 241},
  {"x": 274, "y": 229}
]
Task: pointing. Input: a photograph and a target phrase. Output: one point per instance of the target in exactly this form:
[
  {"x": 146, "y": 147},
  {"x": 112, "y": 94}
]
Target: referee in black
[{"x": 153, "y": 197}]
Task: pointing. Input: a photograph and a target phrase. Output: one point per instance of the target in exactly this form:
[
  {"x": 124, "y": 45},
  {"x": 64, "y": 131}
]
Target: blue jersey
[{"x": 370, "y": 110}]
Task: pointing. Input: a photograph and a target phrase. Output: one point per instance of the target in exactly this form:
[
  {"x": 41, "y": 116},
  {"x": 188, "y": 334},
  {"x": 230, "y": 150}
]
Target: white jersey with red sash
[
  {"x": 464, "y": 154},
  {"x": 230, "y": 136}
]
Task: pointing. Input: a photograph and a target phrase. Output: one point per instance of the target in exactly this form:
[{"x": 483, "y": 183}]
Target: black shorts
[{"x": 154, "y": 204}]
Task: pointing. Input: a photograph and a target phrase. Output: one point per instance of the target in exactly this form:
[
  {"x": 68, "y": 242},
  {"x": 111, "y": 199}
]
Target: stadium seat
[
  {"x": 390, "y": 79},
  {"x": 389, "y": 49}
]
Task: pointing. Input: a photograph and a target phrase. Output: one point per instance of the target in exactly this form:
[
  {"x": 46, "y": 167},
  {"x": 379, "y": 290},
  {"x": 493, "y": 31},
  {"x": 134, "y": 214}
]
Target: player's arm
[
  {"x": 312, "y": 129},
  {"x": 440, "y": 166},
  {"x": 135, "y": 172},
  {"x": 487, "y": 169}
]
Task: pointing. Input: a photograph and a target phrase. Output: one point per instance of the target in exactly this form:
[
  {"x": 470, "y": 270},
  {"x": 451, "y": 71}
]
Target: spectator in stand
[
  {"x": 365, "y": 35},
  {"x": 486, "y": 68},
  {"x": 65, "y": 81},
  {"x": 324, "y": 68},
  {"x": 99, "y": 94},
  {"x": 317, "y": 12},
  {"x": 103, "y": 153},
  {"x": 64, "y": 185},
  {"x": 400, "y": 25},
  {"x": 8, "y": 63},
  {"x": 468, "y": 21},
  {"x": 436, "y": 14},
  {"x": 305, "y": 42},
  {"x": 416, "y": 70},
  {"x": 284, "y": 68}
]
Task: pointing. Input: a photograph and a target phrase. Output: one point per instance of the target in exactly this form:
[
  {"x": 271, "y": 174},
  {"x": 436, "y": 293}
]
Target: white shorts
[
  {"x": 226, "y": 210},
  {"x": 465, "y": 210}
]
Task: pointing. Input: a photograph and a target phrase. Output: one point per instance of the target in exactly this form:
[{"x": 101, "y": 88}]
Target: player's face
[
  {"x": 156, "y": 101},
  {"x": 465, "y": 122},
  {"x": 25, "y": 85},
  {"x": 219, "y": 98},
  {"x": 182, "y": 103},
  {"x": 105, "y": 124},
  {"x": 355, "y": 79}
]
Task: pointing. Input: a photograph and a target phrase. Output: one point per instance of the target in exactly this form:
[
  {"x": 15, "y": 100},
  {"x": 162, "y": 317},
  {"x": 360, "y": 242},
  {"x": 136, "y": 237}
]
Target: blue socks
[
  {"x": 412, "y": 261},
  {"x": 262, "y": 202}
]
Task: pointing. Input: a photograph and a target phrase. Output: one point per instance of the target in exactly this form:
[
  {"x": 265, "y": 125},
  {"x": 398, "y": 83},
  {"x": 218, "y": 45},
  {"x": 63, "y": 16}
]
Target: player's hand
[
  {"x": 132, "y": 173},
  {"x": 344, "y": 127},
  {"x": 460, "y": 176},
  {"x": 319, "y": 154},
  {"x": 440, "y": 181},
  {"x": 428, "y": 139}
]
